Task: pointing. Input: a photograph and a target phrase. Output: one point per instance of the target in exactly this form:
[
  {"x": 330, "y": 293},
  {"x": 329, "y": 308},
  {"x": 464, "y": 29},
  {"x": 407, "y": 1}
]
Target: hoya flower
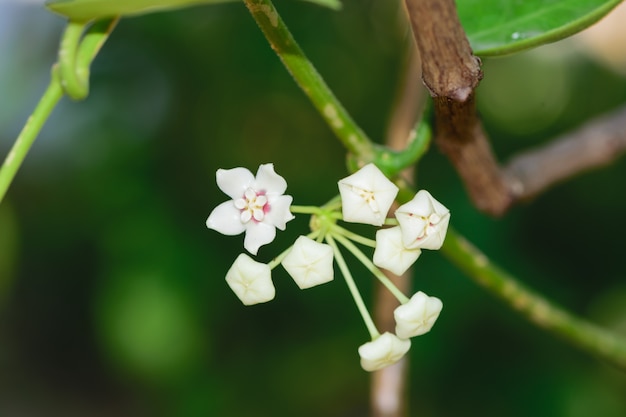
[
  {"x": 390, "y": 252},
  {"x": 383, "y": 351},
  {"x": 309, "y": 263},
  {"x": 417, "y": 316},
  {"x": 258, "y": 205},
  {"x": 424, "y": 222},
  {"x": 366, "y": 196},
  {"x": 250, "y": 280}
]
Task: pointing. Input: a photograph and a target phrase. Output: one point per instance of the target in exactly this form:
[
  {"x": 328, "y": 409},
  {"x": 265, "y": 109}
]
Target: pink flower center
[{"x": 252, "y": 206}]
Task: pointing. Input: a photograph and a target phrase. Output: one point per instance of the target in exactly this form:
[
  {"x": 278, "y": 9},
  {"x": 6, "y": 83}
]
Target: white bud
[
  {"x": 366, "y": 196},
  {"x": 309, "y": 263},
  {"x": 390, "y": 252},
  {"x": 250, "y": 280},
  {"x": 417, "y": 316},
  {"x": 383, "y": 351},
  {"x": 424, "y": 222}
]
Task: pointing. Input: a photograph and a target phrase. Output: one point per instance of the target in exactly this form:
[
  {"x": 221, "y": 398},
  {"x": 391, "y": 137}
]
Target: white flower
[
  {"x": 417, "y": 316},
  {"x": 383, "y": 351},
  {"x": 390, "y": 252},
  {"x": 250, "y": 280},
  {"x": 424, "y": 222},
  {"x": 366, "y": 196},
  {"x": 309, "y": 263},
  {"x": 258, "y": 205}
]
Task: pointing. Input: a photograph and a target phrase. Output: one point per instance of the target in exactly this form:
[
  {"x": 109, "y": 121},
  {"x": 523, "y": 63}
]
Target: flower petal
[
  {"x": 226, "y": 219},
  {"x": 390, "y": 252},
  {"x": 383, "y": 351},
  {"x": 251, "y": 281},
  {"x": 234, "y": 182},
  {"x": 309, "y": 263},
  {"x": 279, "y": 213},
  {"x": 269, "y": 181},
  {"x": 257, "y": 235},
  {"x": 417, "y": 316}
]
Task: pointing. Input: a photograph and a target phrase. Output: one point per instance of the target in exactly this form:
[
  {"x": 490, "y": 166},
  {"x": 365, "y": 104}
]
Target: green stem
[
  {"x": 70, "y": 75},
  {"x": 29, "y": 132},
  {"x": 307, "y": 77},
  {"x": 75, "y": 86},
  {"x": 354, "y": 237},
  {"x": 305, "y": 209},
  {"x": 345, "y": 271},
  {"x": 373, "y": 269},
  {"x": 598, "y": 341}
]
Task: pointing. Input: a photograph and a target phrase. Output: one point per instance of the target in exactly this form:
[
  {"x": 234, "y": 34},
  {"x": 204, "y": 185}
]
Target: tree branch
[
  {"x": 451, "y": 73},
  {"x": 596, "y": 143}
]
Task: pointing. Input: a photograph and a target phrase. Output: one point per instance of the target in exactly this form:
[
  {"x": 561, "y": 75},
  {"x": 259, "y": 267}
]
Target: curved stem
[
  {"x": 75, "y": 86},
  {"x": 594, "y": 339},
  {"x": 70, "y": 75},
  {"x": 307, "y": 77}
]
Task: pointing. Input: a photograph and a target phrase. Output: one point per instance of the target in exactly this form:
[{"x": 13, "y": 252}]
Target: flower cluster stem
[
  {"x": 345, "y": 271},
  {"x": 373, "y": 269}
]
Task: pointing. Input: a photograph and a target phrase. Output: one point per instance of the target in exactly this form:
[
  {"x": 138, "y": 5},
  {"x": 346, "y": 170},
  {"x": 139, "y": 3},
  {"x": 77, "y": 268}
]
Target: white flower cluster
[
  {"x": 367, "y": 196},
  {"x": 258, "y": 206}
]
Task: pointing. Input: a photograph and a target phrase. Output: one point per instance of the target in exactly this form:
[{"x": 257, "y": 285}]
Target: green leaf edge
[
  {"x": 60, "y": 7},
  {"x": 550, "y": 36}
]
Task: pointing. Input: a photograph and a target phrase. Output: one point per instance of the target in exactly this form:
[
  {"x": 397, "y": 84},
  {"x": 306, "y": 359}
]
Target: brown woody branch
[
  {"x": 451, "y": 73},
  {"x": 596, "y": 143}
]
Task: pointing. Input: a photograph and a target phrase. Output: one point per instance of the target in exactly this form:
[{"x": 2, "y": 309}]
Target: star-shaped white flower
[
  {"x": 258, "y": 205},
  {"x": 417, "y": 316},
  {"x": 424, "y": 222},
  {"x": 390, "y": 252},
  {"x": 250, "y": 280},
  {"x": 383, "y": 351},
  {"x": 366, "y": 196},
  {"x": 309, "y": 263}
]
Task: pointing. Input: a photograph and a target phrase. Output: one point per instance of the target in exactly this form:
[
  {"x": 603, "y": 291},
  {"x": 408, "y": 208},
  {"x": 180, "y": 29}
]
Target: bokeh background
[{"x": 112, "y": 292}]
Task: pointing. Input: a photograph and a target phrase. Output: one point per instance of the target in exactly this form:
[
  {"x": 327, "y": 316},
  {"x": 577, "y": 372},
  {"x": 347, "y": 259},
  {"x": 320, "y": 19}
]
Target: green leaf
[
  {"x": 499, "y": 27},
  {"x": 85, "y": 10}
]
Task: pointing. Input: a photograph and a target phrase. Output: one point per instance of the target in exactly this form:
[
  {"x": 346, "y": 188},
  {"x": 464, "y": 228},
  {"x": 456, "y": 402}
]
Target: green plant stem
[
  {"x": 69, "y": 76},
  {"x": 307, "y": 77},
  {"x": 373, "y": 269},
  {"x": 356, "y": 295},
  {"x": 600, "y": 342},
  {"x": 29, "y": 132},
  {"x": 354, "y": 237}
]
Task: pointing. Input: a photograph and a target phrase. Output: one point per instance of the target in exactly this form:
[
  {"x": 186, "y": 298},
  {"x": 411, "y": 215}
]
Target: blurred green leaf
[
  {"x": 85, "y": 10},
  {"x": 499, "y": 27}
]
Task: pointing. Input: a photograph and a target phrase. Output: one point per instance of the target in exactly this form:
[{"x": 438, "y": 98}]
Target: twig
[
  {"x": 596, "y": 143},
  {"x": 451, "y": 73},
  {"x": 600, "y": 342}
]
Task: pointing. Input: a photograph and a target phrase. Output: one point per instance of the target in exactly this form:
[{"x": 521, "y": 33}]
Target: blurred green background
[{"x": 112, "y": 292}]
